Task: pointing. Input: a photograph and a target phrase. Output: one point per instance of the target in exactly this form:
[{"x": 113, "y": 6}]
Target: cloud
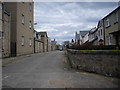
[{"x": 62, "y": 19}]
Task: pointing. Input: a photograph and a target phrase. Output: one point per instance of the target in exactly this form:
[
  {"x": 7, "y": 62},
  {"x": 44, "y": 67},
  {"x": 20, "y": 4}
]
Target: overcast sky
[{"x": 62, "y": 19}]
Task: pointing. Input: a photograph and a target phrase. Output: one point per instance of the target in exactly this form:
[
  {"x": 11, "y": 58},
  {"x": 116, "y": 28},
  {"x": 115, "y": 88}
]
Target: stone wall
[{"x": 97, "y": 61}]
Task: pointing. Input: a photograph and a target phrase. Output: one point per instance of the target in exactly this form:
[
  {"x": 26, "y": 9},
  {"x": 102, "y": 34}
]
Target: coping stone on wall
[{"x": 107, "y": 52}]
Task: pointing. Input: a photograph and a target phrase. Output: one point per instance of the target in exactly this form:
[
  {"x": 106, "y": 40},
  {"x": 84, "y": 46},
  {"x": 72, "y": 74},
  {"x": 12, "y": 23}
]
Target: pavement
[
  {"x": 50, "y": 70},
  {"x": 8, "y": 60}
]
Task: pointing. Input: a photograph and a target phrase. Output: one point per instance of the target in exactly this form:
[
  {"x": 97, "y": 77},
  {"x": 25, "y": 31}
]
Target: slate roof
[
  {"x": 83, "y": 33},
  {"x": 77, "y": 36},
  {"x": 43, "y": 33}
]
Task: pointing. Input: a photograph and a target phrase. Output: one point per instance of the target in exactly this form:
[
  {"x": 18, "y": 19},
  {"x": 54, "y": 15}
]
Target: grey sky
[{"x": 62, "y": 19}]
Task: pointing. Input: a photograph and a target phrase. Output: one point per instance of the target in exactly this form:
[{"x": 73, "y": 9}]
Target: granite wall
[{"x": 97, "y": 61}]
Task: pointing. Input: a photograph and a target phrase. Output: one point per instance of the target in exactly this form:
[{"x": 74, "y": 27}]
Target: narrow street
[{"x": 49, "y": 70}]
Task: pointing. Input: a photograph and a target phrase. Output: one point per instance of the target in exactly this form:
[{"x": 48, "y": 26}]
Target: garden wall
[{"x": 105, "y": 62}]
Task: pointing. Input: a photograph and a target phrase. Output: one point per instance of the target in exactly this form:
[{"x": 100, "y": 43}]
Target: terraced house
[
  {"x": 38, "y": 43},
  {"x": 44, "y": 38},
  {"x": 112, "y": 27},
  {"x": 21, "y": 28},
  {"x": 107, "y": 31}
]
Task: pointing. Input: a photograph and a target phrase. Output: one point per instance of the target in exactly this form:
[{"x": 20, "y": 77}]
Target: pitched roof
[
  {"x": 83, "y": 33},
  {"x": 112, "y": 12},
  {"x": 43, "y": 33},
  {"x": 77, "y": 36}
]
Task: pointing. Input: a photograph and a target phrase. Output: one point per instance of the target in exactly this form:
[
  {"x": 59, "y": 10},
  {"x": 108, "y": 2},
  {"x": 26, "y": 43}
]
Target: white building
[
  {"x": 77, "y": 38},
  {"x": 81, "y": 37},
  {"x": 100, "y": 33},
  {"x": 93, "y": 36},
  {"x": 86, "y": 38}
]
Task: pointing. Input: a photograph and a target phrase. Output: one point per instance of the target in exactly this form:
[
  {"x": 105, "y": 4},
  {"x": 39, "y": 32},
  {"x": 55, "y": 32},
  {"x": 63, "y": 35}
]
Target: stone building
[
  {"x": 83, "y": 37},
  {"x": 1, "y": 29},
  {"x": 44, "y": 38},
  {"x": 93, "y": 38},
  {"x": 86, "y": 38},
  {"x": 21, "y": 38},
  {"x": 49, "y": 44},
  {"x": 53, "y": 45},
  {"x": 5, "y": 21},
  {"x": 112, "y": 27},
  {"x": 79, "y": 37},
  {"x": 100, "y": 32},
  {"x": 38, "y": 43}
]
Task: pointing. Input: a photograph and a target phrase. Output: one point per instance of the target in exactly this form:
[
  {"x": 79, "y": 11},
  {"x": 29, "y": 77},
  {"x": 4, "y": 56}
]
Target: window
[
  {"x": 116, "y": 17},
  {"x": 42, "y": 35},
  {"x": 39, "y": 37},
  {"x": 30, "y": 43},
  {"x": 109, "y": 40},
  {"x": 22, "y": 19},
  {"x": 30, "y": 24},
  {"x": 0, "y": 35},
  {"x": 107, "y": 22},
  {"x": 101, "y": 32},
  {"x": 22, "y": 40},
  {"x": 35, "y": 34},
  {"x": 30, "y": 6}
]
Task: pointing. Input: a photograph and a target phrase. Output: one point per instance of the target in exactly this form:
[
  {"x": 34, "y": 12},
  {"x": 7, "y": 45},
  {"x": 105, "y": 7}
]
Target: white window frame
[
  {"x": 116, "y": 17},
  {"x": 39, "y": 37},
  {"x": 22, "y": 40},
  {"x": 107, "y": 22},
  {"x": 110, "y": 40},
  {"x": 22, "y": 19},
  {"x": 30, "y": 24},
  {"x": 30, "y": 42}
]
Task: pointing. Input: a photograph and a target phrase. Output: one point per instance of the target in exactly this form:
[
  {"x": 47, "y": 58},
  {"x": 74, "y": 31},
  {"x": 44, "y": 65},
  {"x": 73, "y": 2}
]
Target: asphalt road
[{"x": 50, "y": 70}]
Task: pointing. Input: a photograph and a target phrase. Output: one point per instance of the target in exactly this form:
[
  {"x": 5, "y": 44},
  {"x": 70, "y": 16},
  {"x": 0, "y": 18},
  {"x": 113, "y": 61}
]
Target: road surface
[{"x": 50, "y": 70}]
